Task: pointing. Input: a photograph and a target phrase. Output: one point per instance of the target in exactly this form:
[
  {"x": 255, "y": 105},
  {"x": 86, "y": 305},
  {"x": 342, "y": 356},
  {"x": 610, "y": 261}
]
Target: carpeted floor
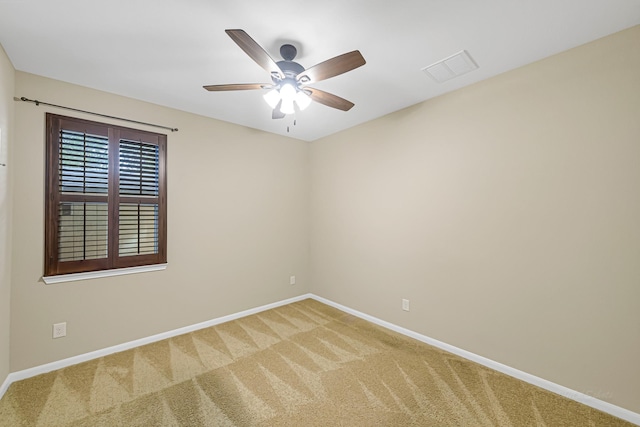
[{"x": 304, "y": 364}]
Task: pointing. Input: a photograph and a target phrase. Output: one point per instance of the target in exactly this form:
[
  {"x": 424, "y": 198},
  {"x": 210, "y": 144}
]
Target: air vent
[{"x": 453, "y": 66}]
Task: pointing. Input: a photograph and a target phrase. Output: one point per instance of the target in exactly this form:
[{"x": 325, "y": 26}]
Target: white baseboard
[
  {"x": 48, "y": 367},
  {"x": 5, "y": 385},
  {"x": 585, "y": 399}
]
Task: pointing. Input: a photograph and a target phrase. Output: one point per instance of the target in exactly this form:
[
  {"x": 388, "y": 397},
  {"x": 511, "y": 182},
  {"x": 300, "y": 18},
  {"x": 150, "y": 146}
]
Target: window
[{"x": 105, "y": 201}]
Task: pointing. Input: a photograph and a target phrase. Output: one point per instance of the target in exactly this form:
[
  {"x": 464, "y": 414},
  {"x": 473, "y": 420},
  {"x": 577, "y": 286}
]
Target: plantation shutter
[
  {"x": 138, "y": 220},
  {"x": 106, "y": 197},
  {"x": 83, "y": 169},
  {"x": 139, "y": 163},
  {"x": 84, "y": 163}
]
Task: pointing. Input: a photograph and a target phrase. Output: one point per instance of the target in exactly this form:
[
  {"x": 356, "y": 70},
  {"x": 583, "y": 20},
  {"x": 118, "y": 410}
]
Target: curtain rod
[{"x": 35, "y": 101}]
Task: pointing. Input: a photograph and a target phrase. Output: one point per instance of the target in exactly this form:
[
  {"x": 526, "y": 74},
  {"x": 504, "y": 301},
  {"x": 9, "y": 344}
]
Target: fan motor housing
[{"x": 290, "y": 68}]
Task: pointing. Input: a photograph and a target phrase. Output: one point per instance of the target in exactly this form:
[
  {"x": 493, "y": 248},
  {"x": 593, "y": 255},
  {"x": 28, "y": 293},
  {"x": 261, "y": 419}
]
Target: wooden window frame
[{"x": 54, "y": 196}]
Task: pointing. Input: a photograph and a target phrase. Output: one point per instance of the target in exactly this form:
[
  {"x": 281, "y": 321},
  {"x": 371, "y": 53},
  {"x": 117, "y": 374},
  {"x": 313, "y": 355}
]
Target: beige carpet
[{"x": 304, "y": 364}]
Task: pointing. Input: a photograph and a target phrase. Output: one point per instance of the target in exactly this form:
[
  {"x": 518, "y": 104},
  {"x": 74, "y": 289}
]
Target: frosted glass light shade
[
  {"x": 288, "y": 94},
  {"x": 287, "y": 106},
  {"x": 272, "y": 97},
  {"x": 303, "y": 100}
]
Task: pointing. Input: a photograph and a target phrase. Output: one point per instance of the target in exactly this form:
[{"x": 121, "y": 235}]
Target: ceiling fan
[{"x": 290, "y": 79}]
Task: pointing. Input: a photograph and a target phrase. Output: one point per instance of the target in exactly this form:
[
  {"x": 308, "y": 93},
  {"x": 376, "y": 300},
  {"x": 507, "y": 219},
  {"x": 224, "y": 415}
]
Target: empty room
[{"x": 345, "y": 213}]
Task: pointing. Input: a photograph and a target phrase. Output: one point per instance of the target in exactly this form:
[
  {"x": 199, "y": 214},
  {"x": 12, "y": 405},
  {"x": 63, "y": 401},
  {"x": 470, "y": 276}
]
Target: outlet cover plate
[{"x": 59, "y": 330}]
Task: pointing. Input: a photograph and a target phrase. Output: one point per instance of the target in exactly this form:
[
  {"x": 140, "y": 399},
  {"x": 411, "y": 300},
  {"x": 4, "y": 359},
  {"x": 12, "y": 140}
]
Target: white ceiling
[{"x": 164, "y": 51}]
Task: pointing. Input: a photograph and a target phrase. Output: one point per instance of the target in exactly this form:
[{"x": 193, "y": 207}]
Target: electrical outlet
[
  {"x": 292, "y": 280},
  {"x": 59, "y": 330},
  {"x": 405, "y": 304}
]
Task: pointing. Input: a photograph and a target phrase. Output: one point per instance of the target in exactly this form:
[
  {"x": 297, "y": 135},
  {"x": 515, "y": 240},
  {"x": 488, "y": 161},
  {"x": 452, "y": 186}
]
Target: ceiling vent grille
[{"x": 453, "y": 66}]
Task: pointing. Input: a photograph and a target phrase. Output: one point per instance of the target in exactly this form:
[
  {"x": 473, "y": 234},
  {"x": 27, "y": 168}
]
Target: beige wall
[
  {"x": 237, "y": 229},
  {"x": 508, "y": 213},
  {"x": 7, "y": 76}
]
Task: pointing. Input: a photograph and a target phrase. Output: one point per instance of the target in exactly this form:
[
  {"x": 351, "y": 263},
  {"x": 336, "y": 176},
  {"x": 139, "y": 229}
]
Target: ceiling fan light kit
[{"x": 289, "y": 79}]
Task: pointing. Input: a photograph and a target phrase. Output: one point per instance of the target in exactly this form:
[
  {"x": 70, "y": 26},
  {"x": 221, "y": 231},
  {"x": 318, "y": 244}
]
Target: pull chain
[{"x": 294, "y": 123}]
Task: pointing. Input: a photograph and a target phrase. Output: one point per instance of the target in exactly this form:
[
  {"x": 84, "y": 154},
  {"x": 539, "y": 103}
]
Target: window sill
[{"x": 50, "y": 280}]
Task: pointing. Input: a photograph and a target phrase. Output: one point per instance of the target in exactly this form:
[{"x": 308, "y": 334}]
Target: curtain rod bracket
[{"x": 35, "y": 101}]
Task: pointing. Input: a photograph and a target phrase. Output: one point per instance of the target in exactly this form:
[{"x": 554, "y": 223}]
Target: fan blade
[
  {"x": 240, "y": 86},
  {"x": 329, "y": 99},
  {"x": 255, "y": 51},
  {"x": 276, "y": 113},
  {"x": 332, "y": 67}
]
